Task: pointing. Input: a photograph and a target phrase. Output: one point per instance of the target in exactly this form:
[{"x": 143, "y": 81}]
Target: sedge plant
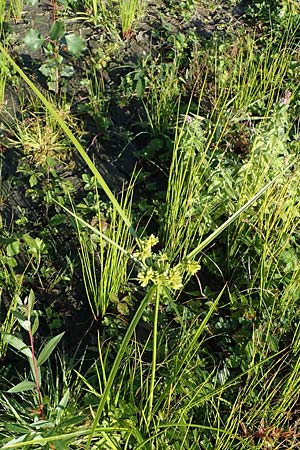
[
  {"x": 129, "y": 11},
  {"x": 105, "y": 265}
]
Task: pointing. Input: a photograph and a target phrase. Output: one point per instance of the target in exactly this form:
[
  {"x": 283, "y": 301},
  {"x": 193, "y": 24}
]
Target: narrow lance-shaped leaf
[
  {"x": 30, "y": 302},
  {"x": 21, "y": 387},
  {"x": 17, "y": 344},
  {"x": 35, "y": 325},
  {"x": 48, "y": 349},
  {"x": 35, "y": 376},
  {"x": 62, "y": 406}
]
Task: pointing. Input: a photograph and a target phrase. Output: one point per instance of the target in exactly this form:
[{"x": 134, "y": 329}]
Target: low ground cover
[{"x": 149, "y": 227}]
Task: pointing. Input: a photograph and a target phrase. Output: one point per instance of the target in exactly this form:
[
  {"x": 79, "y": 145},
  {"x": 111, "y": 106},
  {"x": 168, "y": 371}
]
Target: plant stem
[
  {"x": 54, "y": 10},
  {"x": 154, "y": 355},
  {"x": 36, "y": 376}
]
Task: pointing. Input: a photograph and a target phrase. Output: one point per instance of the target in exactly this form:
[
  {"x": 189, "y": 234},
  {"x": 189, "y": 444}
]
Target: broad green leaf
[
  {"x": 11, "y": 262},
  {"x": 57, "y": 219},
  {"x": 57, "y": 30},
  {"x": 61, "y": 445},
  {"x": 17, "y": 344},
  {"x": 33, "y": 39},
  {"x": 35, "y": 245},
  {"x": 46, "y": 69},
  {"x": 75, "y": 44},
  {"x": 123, "y": 308},
  {"x": 140, "y": 87},
  {"x": 21, "y": 387},
  {"x": 52, "y": 86},
  {"x": 33, "y": 181},
  {"x": 48, "y": 349},
  {"x": 31, "y": 2}
]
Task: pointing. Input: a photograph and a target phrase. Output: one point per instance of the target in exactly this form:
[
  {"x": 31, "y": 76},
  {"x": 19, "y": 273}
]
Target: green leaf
[
  {"x": 15, "y": 428},
  {"x": 47, "y": 69},
  {"x": 30, "y": 242},
  {"x": 57, "y": 219},
  {"x": 48, "y": 349},
  {"x": 25, "y": 324},
  {"x": 35, "y": 325},
  {"x": 35, "y": 245},
  {"x": 33, "y": 181},
  {"x": 10, "y": 444},
  {"x": 36, "y": 377},
  {"x": 17, "y": 344},
  {"x": 123, "y": 308},
  {"x": 57, "y": 30},
  {"x": 67, "y": 71},
  {"x": 33, "y": 39},
  {"x": 140, "y": 87},
  {"x": 62, "y": 406},
  {"x": 13, "y": 248},
  {"x": 30, "y": 302},
  {"x": 75, "y": 44},
  {"x": 12, "y": 262},
  {"x": 21, "y": 387},
  {"x": 31, "y": 2}
]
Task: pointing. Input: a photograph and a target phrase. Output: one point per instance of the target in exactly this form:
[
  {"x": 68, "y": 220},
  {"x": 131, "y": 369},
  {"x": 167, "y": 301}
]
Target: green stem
[
  {"x": 36, "y": 376},
  {"x": 154, "y": 355}
]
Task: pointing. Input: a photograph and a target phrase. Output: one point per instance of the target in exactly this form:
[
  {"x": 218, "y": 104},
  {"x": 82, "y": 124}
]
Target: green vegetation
[{"x": 149, "y": 225}]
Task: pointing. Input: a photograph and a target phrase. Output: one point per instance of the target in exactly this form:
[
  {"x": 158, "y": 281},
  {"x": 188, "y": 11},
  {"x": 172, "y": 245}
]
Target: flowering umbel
[{"x": 157, "y": 269}]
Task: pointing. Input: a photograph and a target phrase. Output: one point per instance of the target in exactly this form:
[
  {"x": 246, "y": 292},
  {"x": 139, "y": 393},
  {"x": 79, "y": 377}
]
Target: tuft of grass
[
  {"x": 130, "y": 11},
  {"x": 105, "y": 264}
]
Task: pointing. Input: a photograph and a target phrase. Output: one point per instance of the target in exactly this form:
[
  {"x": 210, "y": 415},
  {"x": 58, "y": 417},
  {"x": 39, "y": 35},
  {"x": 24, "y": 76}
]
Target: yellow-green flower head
[{"x": 145, "y": 276}]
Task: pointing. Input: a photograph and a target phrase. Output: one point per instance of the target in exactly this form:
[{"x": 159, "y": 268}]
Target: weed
[{"x": 54, "y": 46}]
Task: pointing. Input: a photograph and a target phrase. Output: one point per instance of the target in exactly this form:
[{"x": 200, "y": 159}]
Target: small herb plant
[
  {"x": 56, "y": 47},
  {"x": 28, "y": 318}
]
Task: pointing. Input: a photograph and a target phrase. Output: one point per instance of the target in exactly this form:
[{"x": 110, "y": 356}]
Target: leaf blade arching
[{"x": 49, "y": 348}]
